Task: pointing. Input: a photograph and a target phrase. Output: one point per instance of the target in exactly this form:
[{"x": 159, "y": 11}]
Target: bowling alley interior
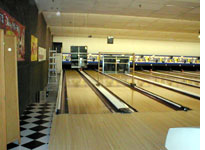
[{"x": 100, "y": 75}]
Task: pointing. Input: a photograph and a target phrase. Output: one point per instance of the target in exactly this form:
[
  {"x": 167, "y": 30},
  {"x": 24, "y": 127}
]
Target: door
[
  {"x": 2, "y": 96},
  {"x": 11, "y": 87}
]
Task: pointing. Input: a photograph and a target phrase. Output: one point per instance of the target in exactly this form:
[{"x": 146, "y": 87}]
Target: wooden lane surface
[
  {"x": 186, "y": 74},
  {"x": 81, "y": 98},
  {"x": 194, "y": 73},
  {"x": 171, "y": 95},
  {"x": 172, "y": 78},
  {"x": 137, "y": 100},
  {"x": 136, "y": 131},
  {"x": 170, "y": 83},
  {"x": 180, "y": 74}
]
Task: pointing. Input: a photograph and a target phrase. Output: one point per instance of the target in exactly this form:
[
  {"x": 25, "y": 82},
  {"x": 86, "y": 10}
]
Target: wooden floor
[
  {"x": 170, "y": 83},
  {"x": 171, "y": 95},
  {"x": 136, "y": 131},
  {"x": 137, "y": 100},
  {"x": 81, "y": 98},
  {"x": 91, "y": 127},
  {"x": 172, "y": 78}
]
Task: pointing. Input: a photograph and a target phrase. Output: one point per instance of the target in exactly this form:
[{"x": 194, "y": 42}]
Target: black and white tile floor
[{"x": 35, "y": 127}]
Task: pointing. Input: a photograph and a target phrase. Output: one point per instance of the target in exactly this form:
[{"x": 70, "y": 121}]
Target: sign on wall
[
  {"x": 41, "y": 54},
  {"x": 12, "y": 27},
  {"x": 34, "y": 48}
]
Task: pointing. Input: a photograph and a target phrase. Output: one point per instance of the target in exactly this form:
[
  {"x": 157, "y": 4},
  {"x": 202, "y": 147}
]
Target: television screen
[{"x": 110, "y": 40}]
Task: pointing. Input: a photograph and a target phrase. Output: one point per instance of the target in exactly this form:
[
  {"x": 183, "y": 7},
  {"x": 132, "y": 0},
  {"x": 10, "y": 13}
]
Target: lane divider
[
  {"x": 169, "y": 80},
  {"x": 160, "y": 99},
  {"x": 174, "y": 76},
  {"x": 168, "y": 87},
  {"x": 121, "y": 107}
]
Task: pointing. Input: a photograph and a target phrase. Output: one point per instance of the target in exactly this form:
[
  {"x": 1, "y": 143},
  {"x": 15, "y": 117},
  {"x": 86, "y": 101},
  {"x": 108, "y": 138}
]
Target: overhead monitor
[{"x": 110, "y": 40}]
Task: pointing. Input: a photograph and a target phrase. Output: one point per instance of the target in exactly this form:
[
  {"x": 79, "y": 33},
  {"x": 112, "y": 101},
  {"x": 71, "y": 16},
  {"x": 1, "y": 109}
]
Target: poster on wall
[
  {"x": 34, "y": 48},
  {"x": 41, "y": 54},
  {"x": 13, "y": 27}
]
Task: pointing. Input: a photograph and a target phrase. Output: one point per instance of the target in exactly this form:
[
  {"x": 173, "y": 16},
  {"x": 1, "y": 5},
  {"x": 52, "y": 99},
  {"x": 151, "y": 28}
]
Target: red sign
[{"x": 13, "y": 27}]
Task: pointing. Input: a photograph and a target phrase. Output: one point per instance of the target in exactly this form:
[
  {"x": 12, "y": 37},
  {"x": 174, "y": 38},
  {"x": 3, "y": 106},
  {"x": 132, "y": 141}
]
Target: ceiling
[{"x": 177, "y": 20}]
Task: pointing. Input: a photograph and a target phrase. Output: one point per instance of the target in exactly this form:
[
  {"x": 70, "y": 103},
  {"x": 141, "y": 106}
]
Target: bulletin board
[{"x": 41, "y": 54}]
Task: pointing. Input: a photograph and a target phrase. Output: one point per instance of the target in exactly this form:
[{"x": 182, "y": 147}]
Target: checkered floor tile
[{"x": 35, "y": 127}]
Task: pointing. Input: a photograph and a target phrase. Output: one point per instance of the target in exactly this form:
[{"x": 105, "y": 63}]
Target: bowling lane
[
  {"x": 171, "y": 95},
  {"x": 180, "y": 74},
  {"x": 188, "y": 73},
  {"x": 81, "y": 98},
  {"x": 171, "y": 78},
  {"x": 185, "y": 74},
  {"x": 137, "y": 100},
  {"x": 173, "y": 84},
  {"x": 193, "y": 72}
]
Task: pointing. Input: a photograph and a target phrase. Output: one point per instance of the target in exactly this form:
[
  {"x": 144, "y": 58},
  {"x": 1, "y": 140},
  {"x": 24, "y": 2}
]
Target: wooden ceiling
[{"x": 177, "y": 20}]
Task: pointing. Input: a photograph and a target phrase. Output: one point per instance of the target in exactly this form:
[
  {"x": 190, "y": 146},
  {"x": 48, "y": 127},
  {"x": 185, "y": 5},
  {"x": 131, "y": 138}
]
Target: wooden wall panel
[
  {"x": 11, "y": 86},
  {"x": 2, "y": 96}
]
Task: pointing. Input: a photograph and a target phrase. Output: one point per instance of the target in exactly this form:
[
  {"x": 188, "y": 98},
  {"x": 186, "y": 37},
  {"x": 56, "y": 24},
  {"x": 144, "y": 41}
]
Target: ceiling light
[
  {"x": 58, "y": 13},
  {"x": 199, "y": 36}
]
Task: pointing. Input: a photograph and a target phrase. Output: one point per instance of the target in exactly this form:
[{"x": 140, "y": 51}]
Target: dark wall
[{"x": 32, "y": 76}]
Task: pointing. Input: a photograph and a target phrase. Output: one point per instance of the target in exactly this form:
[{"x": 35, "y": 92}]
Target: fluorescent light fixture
[{"x": 58, "y": 13}]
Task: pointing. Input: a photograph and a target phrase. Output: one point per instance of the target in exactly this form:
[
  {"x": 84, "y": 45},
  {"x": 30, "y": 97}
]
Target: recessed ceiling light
[{"x": 199, "y": 36}]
